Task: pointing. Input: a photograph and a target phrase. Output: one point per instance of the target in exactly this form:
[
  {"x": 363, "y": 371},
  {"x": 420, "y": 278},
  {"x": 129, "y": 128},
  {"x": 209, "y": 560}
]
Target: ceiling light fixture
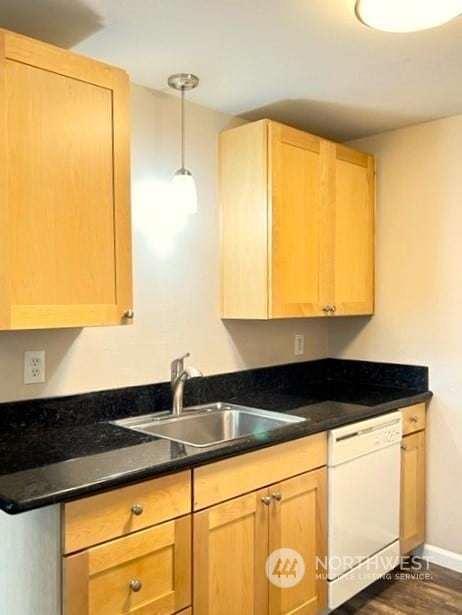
[
  {"x": 406, "y": 15},
  {"x": 183, "y": 184}
]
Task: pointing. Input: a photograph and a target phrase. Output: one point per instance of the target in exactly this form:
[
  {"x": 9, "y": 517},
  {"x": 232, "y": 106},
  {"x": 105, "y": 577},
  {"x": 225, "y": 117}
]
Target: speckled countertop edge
[{"x": 82, "y": 476}]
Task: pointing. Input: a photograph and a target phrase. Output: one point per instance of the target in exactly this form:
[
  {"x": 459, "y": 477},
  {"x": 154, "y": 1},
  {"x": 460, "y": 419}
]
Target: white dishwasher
[{"x": 363, "y": 504}]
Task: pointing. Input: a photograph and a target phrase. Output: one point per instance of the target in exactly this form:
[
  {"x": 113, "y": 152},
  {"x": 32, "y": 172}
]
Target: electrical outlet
[
  {"x": 34, "y": 366},
  {"x": 299, "y": 345}
]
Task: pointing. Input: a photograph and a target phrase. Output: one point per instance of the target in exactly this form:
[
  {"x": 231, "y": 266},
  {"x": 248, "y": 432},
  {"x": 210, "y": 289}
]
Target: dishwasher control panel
[{"x": 360, "y": 438}]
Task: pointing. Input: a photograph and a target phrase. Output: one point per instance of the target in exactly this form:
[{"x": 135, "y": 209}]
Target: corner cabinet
[
  {"x": 65, "y": 239},
  {"x": 236, "y": 533},
  {"x": 412, "y": 524},
  {"x": 297, "y": 224}
]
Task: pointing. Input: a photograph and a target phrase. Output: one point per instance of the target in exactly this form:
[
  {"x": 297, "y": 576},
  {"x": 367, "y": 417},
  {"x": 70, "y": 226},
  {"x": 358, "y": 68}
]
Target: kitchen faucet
[{"x": 179, "y": 375}]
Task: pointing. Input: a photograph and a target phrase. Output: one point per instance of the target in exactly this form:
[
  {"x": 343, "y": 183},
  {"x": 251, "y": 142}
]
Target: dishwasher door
[
  {"x": 364, "y": 491},
  {"x": 363, "y": 508}
]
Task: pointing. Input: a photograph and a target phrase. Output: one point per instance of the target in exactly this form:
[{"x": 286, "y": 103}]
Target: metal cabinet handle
[
  {"x": 326, "y": 309},
  {"x": 135, "y": 585},
  {"x": 277, "y": 495},
  {"x": 414, "y": 419},
  {"x": 137, "y": 509},
  {"x": 333, "y": 308},
  {"x": 129, "y": 313},
  {"x": 266, "y": 500},
  {"x": 403, "y": 446}
]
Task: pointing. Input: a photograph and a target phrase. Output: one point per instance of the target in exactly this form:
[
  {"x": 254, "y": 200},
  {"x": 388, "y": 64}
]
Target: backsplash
[{"x": 317, "y": 378}]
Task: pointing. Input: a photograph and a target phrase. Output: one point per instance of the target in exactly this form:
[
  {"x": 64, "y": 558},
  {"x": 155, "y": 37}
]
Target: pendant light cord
[{"x": 182, "y": 127}]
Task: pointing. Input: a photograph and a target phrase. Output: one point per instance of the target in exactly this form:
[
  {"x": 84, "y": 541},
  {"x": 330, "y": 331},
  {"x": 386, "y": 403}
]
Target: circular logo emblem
[{"x": 285, "y": 567}]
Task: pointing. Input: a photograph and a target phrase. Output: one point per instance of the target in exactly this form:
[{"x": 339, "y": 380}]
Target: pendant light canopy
[
  {"x": 406, "y": 15},
  {"x": 183, "y": 184}
]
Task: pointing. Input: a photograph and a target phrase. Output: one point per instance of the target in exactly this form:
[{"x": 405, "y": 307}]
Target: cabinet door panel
[
  {"x": 296, "y": 184},
  {"x": 62, "y": 218},
  {"x": 298, "y": 521},
  {"x": 230, "y": 546},
  {"x": 353, "y": 228},
  {"x": 412, "y": 526},
  {"x": 65, "y": 224}
]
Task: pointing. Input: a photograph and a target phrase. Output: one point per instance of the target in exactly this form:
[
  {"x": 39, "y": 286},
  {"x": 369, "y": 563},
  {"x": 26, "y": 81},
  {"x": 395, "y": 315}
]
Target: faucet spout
[{"x": 179, "y": 375}]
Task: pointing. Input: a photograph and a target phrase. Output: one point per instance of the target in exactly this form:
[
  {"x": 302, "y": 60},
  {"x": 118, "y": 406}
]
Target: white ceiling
[{"x": 309, "y": 63}]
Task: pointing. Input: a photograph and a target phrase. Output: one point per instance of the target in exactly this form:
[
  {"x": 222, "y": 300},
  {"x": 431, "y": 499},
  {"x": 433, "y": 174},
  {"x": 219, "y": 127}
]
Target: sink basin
[{"x": 209, "y": 424}]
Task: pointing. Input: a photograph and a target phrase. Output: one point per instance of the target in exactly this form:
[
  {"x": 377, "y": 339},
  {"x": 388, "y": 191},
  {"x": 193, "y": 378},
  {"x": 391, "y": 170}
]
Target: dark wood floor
[{"x": 440, "y": 594}]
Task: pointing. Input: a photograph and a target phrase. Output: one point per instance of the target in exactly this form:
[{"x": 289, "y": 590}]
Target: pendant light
[
  {"x": 406, "y": 15},
  {"x": 183, "y": 184}
]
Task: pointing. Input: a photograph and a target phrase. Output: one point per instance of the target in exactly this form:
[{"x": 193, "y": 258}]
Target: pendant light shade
[
  {"x": 406, "y": 15},
  {"x": 183, "y": 184},
  {"x": 184, "y": 191}
]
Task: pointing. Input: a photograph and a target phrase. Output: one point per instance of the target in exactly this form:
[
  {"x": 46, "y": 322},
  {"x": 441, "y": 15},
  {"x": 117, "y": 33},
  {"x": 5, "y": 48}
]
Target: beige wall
[
  {"x": 419, "y": 295},
  {"x": 175, "y": 279}
]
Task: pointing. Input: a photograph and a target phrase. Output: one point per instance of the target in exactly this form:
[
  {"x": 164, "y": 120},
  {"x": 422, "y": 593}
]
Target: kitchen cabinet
[
  {"x": 65, "y": 239},
  {"x": 116, "y": 561},
  {"x": 232, "y": 539},
  {"x": 297, "y": 224},
  {"x": 412, "y": 523}
]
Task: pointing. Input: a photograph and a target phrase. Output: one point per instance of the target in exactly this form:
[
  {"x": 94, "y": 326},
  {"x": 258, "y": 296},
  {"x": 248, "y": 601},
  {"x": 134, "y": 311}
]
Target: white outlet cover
[
  {"x": 299, "y": 345},
  {"x": 34, "y": 366}
]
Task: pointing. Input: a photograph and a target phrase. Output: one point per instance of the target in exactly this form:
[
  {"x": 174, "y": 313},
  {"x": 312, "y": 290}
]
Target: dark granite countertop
[{"x": 53, "y": 460}]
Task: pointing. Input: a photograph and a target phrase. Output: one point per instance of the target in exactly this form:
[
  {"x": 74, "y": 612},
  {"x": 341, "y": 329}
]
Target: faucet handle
[{"x": 177, "y": 365}]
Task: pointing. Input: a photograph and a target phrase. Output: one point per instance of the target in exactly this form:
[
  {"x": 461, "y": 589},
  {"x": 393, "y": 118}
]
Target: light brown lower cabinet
[
  {"x": 232, "y": 541},
  {"x": 412, "y": 524},
  {"x": 143, "y": 573}
]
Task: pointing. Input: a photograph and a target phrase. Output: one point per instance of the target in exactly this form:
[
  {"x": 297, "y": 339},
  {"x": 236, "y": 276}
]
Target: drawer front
[
  {"x": 145, "y": 573},
  {"x": 98, "y": 518},
  {"x": 413, "y": 418},
  {"x": 223, "y": 480}
]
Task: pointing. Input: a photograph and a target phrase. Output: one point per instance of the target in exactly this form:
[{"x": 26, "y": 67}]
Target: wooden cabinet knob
[
  {"x": 137, "y": 509},
  {"x": 135, "y": 585}
]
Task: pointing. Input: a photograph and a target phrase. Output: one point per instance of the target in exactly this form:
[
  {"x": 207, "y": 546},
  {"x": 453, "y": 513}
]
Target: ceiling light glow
[{"x": 406, "y": 15}]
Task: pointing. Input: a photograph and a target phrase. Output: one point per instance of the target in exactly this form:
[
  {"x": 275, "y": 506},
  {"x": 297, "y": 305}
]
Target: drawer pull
[
  {"x": 414, "y": 419},
  {"x": 129, "y": 314},
  {"x": 135, "y": 585},
  {"x": 266, "y": 500},
  {"x": 403, "y": 446},
  {"x": 277, "y": 495},
  {"x": 137, "y": 509}
]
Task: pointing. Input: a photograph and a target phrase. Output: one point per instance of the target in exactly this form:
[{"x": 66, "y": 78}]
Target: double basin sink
[{"x": 209, "y": 424}]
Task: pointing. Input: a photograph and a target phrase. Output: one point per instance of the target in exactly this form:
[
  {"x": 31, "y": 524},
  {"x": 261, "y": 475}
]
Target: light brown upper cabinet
[
  {"x": 65, "y": 239},
  {"x": 297, "y": 216}
]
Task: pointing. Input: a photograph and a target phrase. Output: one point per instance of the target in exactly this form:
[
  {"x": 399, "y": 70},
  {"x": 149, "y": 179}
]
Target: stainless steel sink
[{"x": 209, "y": 424}]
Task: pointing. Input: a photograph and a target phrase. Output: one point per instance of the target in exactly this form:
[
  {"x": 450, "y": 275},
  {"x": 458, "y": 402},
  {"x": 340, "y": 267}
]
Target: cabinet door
[
  {"x": 230, "y": 546},
  {"x": 351, "y": 255},
  {"x": 412, "y": 526},
  {"x": 298, "y": 521},
  {"x": 298, "y": 175},
  {"x": 146, "y": 573},
  {"x": 65, "y": 255}
]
